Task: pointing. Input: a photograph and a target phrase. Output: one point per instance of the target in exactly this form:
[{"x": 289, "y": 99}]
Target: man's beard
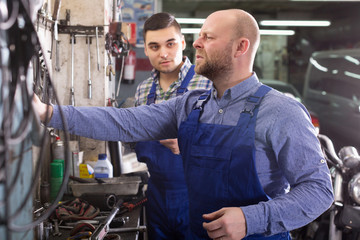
[{"x": 219, "y": 64}]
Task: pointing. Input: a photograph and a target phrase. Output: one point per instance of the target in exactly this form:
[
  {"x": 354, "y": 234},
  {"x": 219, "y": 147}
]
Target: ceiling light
[
  {"x": 295, "y": 23},
  {"x": 190, "y": 30},
  {"x": 262, "y": 31},
  {"x": 303, "y": 23},
  {"x": 276, "y": 32},
  {"x": 324, "y": 0},
  {"x": 190, "y": 20}
]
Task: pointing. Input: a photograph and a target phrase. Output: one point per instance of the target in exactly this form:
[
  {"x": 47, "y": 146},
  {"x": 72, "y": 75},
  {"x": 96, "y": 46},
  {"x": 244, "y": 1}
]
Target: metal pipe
[{"x": 128, "y": 229}]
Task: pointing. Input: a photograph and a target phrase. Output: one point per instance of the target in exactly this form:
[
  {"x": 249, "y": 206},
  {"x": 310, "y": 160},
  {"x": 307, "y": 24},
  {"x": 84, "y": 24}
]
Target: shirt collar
[{"x": 241, "y": 89}]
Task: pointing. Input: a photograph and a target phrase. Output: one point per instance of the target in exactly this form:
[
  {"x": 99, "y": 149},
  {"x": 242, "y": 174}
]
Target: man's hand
[
  {"x": 171, "y": 144},
  {"x": 41, "y": 108},
  {"x": 226, "y": 223}
]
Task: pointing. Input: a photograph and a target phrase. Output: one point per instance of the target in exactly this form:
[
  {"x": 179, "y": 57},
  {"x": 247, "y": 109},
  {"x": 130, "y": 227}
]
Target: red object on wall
[
  {"x": 132, "y": 30},
  {"x": 130, "y": 67}
]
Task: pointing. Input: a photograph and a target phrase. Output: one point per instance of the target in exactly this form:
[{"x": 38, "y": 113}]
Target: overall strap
[
  {"x": 199, "y": 106},
  {"x": 183, "y": 88},
  {"x": 252, "y": 106},
  {"x": 152, "y": 95}
]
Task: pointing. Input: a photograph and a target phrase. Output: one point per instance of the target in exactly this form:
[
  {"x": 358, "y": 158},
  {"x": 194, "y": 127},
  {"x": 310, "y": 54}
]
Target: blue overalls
[
  {"x": 219, "y": 164},
  {"x": 167, "y": 208}
]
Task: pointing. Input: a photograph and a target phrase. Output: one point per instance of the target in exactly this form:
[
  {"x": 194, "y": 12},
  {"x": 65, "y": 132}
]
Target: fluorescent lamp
[
  {"x": 295, "y": 23},
  {"x": 190, "y": 30},
  {"x": 276, "y": 32},
  {"x": 324, "y": 0},
  {"x": 190, "y": 20},
  {"x": 262, "y": 31}
]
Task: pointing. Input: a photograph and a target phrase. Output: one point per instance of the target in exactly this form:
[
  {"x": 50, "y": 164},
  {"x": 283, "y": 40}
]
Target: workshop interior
[{"x": 90, "y": 53}]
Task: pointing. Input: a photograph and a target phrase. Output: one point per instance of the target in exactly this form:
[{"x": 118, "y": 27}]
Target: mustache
[{"x": 200, "y": 52}]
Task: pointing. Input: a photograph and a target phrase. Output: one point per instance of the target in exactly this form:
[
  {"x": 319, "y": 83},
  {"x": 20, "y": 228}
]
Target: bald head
[{"x": 242, "y": 24}]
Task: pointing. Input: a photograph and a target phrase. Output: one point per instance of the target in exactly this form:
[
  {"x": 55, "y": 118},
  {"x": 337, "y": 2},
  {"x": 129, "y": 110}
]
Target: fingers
[
  {"x": 214, "y": 215},
  {"x": 226, "y": 223},
  {"x": 215, "y": 218},
  {"x": 172, "y": 144}
]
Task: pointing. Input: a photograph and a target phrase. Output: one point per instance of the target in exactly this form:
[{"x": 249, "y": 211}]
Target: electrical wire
[
  {"x": 12, "y": 19},
  {"x": 11, "y": 136},
  {"x": 63, "y": 187}
]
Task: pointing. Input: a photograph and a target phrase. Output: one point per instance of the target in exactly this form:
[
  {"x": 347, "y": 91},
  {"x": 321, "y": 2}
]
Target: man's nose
[
  {"x": 164, "y": 54},
  {"x": 197, "y": 43}
]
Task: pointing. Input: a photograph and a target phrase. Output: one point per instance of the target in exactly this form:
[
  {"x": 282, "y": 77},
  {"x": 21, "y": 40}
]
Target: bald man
[{"x": 252, "y": 161}]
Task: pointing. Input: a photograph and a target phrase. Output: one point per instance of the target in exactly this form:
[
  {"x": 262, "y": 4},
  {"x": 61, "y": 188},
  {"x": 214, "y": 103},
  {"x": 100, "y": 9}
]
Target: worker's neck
[
  {"x": 222, "y": 84},
  {"x": 166, "y": 79}
]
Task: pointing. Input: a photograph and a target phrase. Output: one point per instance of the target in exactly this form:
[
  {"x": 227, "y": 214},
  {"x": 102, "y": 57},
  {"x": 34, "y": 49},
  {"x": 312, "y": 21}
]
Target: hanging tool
[
  {"x": 55, "y": 17},
  {"x": 97, "y": 48},
  {"x": 110, "y": 70},
  {"x": 57, "y": 5},
  {"x": 72, "y": 91},
  {"x": 89, "y": 67}
]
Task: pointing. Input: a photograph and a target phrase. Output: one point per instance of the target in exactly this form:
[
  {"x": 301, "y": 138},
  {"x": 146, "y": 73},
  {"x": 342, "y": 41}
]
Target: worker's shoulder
[
  {"x": 193, "y": 95},
  {"x": 281, "y": 102}
]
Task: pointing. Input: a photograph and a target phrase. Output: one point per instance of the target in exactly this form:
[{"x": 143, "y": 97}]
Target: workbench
[{"x": 136, "y": 219}]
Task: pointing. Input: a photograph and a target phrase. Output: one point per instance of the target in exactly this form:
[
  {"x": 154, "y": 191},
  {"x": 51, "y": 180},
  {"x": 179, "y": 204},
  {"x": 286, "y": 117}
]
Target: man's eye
[
  {"x": 154, "y": 47},
  {"x": 171, "y": 44}
]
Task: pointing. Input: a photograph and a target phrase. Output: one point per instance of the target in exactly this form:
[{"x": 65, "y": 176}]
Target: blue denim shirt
[{"x": 289, "y": 161}]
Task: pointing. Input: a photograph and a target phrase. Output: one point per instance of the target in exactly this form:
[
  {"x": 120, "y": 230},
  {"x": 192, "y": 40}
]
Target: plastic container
[
  {"x": 103, "y": 167},
  {"x": 61, "y": 161},
  {"x": 56, "y": 179}
]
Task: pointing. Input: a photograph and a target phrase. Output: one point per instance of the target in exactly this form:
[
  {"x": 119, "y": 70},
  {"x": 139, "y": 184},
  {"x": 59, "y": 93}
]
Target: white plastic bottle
[{"x": 103, "y": 167}]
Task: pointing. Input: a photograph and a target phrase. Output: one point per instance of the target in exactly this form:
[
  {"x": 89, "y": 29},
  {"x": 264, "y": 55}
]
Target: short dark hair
[{"x": 160, "y": 21}]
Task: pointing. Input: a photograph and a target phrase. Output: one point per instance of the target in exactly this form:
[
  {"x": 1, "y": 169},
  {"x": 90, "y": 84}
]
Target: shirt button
[
  {"x": 323, "y": 161},
  {"x": 221, "y": 111}
]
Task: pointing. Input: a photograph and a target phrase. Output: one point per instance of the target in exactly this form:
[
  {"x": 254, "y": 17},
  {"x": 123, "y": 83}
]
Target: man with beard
[
  {"x": 167, "y": 208},
  {"x": 243, "y": 144}
]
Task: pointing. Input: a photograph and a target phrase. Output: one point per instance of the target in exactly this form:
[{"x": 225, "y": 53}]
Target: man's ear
[
  {"x": 145, "y": 50},
  {"x": 242, "y": 46},
  {"x": 183, "y": 42}
]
